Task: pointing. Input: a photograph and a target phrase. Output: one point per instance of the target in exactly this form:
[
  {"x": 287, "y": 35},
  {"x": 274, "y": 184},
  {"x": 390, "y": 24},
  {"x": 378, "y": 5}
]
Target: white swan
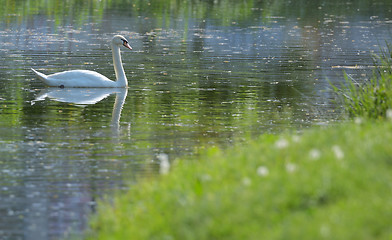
[{"x": 91, "y": 79}]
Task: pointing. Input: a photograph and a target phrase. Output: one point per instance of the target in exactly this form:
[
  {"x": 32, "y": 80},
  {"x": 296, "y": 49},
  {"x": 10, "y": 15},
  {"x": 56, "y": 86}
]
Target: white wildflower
[
  {"x": 325, "y": 231},
  {"x": 296, "y": 138},
  {"x": 246, "y": 181},
  {"x": 291, "y": 167},
  {"x": 389, "y": 114},
  {"x": 262, "y": 171},
  {"x": 339, "y": 154},
  {"x": 358, "y": 120},
  {"x": 314, "y": 154},
  {"x": 205, "y": 178},
  {"x": 164, "y": 164},
  {"x": 282, "y": 143}
]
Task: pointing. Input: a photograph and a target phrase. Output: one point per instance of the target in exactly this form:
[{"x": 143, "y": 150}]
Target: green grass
[
  {"x": 372, "y": 98},
  {"x": 332, "y": 183}
]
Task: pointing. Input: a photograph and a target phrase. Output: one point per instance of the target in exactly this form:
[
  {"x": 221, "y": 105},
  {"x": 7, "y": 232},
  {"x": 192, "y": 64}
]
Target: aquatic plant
[{"x": 371, "y": 98}]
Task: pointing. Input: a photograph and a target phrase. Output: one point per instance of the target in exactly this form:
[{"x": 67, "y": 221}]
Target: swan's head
[{"x": 119, "y": 40}]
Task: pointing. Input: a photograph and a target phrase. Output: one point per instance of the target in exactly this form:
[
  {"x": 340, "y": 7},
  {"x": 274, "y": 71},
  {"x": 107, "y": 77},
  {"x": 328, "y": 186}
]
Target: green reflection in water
[{"x": 223, "y": 12}]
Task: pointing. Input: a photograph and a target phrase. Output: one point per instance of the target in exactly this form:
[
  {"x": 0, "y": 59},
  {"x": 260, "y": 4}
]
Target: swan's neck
[{"x": 118, "y": 67}]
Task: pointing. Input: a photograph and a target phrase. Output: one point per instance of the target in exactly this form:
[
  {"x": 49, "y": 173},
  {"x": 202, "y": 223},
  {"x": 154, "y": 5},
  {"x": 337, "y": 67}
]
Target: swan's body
[
  {"x": 86, "y": 78},
  {"x": 77, "y": 78}
]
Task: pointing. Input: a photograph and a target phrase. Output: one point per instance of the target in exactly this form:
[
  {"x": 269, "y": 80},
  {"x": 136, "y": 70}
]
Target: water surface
[{"x": 201, "y": 74}]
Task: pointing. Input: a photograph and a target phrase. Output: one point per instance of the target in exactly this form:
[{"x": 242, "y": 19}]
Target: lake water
[{"x": 200, "y": 74}]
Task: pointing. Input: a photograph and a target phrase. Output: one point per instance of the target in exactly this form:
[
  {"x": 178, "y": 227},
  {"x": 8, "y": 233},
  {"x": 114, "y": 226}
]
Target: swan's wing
[
  {"x": 78, "y": 78},
  {"x": 77, "y": 74}
]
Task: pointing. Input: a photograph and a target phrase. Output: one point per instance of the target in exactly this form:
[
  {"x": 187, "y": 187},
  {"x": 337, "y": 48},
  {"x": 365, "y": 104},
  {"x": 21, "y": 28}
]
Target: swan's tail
[{"x": 41, "y": 76}]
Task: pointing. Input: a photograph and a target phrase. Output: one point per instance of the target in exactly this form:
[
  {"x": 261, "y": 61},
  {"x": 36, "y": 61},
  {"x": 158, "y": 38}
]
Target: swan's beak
[{"x": 125, "y": 44}]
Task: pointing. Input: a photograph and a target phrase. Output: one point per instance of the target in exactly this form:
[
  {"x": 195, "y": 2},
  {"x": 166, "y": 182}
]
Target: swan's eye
[{"x": 125, "y": 44}]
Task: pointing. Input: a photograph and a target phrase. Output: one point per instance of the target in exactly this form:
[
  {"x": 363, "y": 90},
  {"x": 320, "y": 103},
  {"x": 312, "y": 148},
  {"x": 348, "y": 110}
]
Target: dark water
[{"x": 202, "y": 73}]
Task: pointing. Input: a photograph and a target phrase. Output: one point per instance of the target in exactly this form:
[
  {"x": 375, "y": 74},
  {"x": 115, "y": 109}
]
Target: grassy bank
[{"x": 333, "y": 183}]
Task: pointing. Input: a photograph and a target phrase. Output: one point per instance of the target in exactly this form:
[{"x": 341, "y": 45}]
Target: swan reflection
[
  {"x": 87, "y": 96},
  {"x": 79, "y": 96}
]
